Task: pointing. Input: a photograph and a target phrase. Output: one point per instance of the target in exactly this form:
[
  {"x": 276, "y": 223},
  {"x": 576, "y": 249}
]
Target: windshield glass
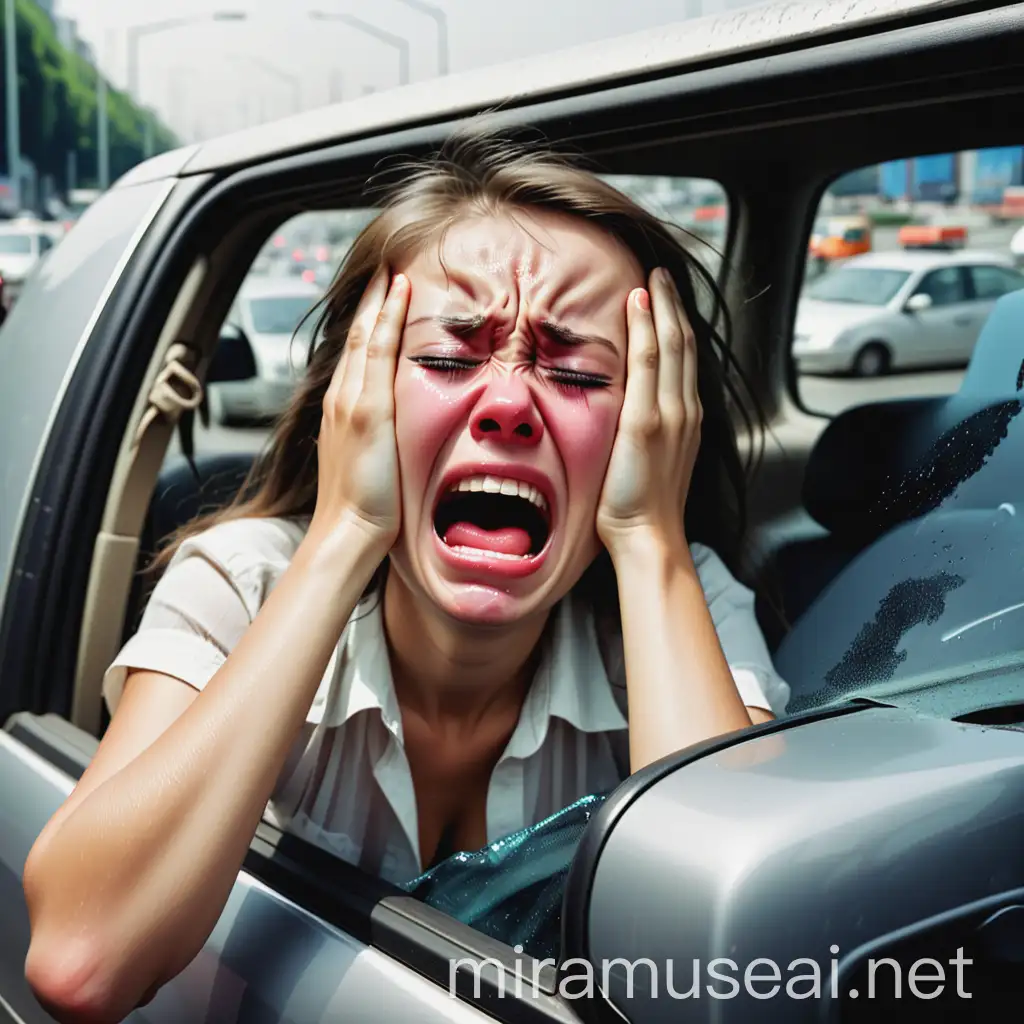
[
  {"x": 865, "y": 286},
  {"x": 279, "y": 314},
  {"x": 20, "y": 245}
]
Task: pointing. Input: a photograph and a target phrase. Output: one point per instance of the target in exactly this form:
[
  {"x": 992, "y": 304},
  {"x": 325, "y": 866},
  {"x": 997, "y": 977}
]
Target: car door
[{"x": 945, "y": 332}]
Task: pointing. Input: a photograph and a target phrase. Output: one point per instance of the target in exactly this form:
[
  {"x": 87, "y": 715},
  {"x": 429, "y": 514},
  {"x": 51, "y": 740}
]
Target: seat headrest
[{"x": 878, "y": 465}]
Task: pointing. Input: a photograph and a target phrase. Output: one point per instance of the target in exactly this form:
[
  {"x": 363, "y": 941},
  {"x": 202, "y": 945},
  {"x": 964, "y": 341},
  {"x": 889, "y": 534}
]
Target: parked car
[
  {"x": 765, "y": 874},
  {"x": 22, "y": 246},
  {"x": 269, "y": 312},
  {"x": 839, "y": 238},
  {"x": 895, "y": 310}
]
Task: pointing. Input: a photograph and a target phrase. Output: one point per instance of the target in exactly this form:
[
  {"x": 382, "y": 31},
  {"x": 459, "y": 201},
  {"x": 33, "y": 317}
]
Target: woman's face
[{"x": 510, "y": 380}]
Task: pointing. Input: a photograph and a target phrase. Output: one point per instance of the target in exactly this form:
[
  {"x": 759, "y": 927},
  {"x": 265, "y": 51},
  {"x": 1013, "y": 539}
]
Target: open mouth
[{"x": 506, "y": 518}]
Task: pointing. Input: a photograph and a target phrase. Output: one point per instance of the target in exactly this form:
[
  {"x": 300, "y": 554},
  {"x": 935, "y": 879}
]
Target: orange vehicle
[
  {"x": 838, "y": 238},
  {"x": 932, "y": 236}
]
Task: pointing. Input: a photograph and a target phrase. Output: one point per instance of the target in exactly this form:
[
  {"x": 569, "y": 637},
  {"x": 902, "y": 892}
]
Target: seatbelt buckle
[{"x": 175, "y": 391}]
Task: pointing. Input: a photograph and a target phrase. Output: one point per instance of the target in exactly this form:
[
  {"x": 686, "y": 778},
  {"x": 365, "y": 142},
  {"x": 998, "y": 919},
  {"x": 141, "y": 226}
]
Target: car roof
[
  {"x": 656, "y": 52},
  {"x": 923, "y": 259}
]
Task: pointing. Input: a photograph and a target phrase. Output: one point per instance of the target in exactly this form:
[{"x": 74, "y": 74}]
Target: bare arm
[
  {"x": 680, "y": 689},
  {"x": 129, "y": 878}
]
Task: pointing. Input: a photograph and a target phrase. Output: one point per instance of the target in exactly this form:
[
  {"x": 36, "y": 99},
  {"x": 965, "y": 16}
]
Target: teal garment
[{"x": 512, "y": 890}]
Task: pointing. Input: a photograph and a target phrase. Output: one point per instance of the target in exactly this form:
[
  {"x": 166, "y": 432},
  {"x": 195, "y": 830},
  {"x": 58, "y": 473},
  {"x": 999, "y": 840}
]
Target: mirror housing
[
  {"x": 795, "y": 852},
  {"x": 233, "y": 359},
  {"x": 918, "y": 303}
]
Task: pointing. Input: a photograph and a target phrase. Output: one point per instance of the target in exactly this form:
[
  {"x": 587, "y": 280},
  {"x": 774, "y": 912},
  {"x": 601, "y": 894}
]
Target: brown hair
[{"x": 487, "y": 172}]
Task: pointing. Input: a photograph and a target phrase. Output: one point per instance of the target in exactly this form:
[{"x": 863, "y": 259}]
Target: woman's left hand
[{"x": 652, "y": 460}]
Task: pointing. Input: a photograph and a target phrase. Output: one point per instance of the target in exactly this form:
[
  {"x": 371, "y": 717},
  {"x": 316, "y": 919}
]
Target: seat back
[{"x": 181, "y": 494}]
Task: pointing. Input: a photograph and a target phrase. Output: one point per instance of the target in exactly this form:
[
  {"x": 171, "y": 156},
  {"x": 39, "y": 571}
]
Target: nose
[{"x": 506, "y": 413}]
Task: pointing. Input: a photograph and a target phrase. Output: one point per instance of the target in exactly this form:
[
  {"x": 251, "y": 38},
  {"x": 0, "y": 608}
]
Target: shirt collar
[{"x": 571, "y": 682}]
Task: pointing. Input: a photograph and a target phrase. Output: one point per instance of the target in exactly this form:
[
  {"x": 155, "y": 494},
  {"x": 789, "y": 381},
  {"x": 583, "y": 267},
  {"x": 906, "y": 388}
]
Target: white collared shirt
[{"x": 346, "y": 784}]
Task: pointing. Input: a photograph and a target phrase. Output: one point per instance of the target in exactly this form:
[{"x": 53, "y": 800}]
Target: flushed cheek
[
  {"x": 584, "y": 433},
  {"x": 427, "y": 413}
]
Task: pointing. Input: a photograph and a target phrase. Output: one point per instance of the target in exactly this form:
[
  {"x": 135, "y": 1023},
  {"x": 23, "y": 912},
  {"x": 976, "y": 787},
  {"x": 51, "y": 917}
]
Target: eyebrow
[
  {"x": 465, "y": 322},
  {"x": 470, "y": 322},
  {"x": 567, "y": 336}
]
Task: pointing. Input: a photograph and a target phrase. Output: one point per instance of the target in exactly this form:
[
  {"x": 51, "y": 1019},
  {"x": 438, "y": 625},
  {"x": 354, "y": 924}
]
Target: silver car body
[
  {"x": 269, "y": 310},
  {"x": 830, "y": 335}
]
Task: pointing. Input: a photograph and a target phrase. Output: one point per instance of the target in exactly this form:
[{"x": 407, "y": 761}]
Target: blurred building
[{"x": 67, "y": 35}]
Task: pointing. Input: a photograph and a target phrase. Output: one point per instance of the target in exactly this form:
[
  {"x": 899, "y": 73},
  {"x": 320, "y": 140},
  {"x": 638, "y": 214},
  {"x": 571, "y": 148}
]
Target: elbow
[{"x": 72, "y": 983}]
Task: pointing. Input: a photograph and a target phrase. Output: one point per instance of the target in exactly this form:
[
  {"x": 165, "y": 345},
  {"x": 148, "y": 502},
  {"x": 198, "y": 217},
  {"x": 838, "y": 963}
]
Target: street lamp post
[
  {"x": 103, "y": 117},
  {"x": 136, "y": 33},
  {"x": 103, "y": 130},
  {"x": 13, "y": 124},
  {"x": 400, "y": 43},
  {"x": 441, "y": 20}
]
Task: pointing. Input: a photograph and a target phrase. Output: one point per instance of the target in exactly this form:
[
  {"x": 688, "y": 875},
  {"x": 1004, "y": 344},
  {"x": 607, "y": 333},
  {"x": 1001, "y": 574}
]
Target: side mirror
[
  {"x": 233, "y": 359},
  {"x": 804, "y": 885},
  {"x": 917, "y": 303}
]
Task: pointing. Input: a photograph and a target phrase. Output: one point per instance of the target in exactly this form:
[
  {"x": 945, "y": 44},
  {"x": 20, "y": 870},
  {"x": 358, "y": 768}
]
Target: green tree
[{"x": 58, "y": 107}]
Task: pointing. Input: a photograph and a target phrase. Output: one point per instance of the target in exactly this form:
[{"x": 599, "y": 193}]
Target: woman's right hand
[{"x": 358, "y": 479}]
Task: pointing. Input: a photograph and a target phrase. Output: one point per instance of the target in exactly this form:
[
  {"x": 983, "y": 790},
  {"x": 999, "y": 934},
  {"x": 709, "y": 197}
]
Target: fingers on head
[{"x": 640, "y": 406}]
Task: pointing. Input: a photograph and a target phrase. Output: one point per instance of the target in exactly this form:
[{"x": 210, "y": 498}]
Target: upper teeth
[{"x": 499, "y": 485}]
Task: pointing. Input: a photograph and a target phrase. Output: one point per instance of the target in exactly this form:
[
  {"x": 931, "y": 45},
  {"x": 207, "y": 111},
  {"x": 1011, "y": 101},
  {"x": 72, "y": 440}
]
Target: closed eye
[
  {"x": 445, "y": 364},
  {"x": 573, "y": 378}
]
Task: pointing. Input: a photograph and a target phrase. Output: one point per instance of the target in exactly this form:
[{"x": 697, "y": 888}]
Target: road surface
[{"x": 831, "y": 395}]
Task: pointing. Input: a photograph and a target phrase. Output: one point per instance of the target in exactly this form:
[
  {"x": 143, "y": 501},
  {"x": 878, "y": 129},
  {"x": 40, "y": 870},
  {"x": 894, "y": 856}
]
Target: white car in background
[
  {"x": 897, "y": 310},
  {"x": 268, "y": 313},
  {"x": 22, "y": 246}
]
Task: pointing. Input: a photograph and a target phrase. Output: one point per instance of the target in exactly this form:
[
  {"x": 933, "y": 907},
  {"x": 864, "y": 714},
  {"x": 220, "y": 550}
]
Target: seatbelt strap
[{"x": 176, "y": 392}]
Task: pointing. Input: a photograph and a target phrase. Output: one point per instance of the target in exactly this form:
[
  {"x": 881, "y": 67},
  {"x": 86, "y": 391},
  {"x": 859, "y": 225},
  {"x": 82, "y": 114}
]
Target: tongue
[{"x": 508, "y": 540}]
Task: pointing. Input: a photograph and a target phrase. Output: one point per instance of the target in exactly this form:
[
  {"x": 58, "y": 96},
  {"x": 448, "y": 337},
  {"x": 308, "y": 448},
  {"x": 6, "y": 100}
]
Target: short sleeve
[
  {"x": 732, "y": 610},
  {"x": 206, "y": 599}
]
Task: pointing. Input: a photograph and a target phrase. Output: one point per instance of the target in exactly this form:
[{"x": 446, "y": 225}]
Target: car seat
[{"x": 183, "y": 492}]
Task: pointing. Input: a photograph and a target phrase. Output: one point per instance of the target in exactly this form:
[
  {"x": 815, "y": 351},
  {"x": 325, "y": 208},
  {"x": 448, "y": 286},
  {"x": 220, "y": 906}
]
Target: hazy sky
[{"x": 210, "y": 77}]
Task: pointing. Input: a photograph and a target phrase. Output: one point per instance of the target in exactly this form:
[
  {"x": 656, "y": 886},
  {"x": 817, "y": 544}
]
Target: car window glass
[
  {"x": 15, "y": 245},
  {"x": 279, "y": 314},
  {"x": 864, "y": 286},
  {"x": 895, "y": 217},
  {"x": 943, "y": 287},
  {"x": 991, "y": 282}
]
